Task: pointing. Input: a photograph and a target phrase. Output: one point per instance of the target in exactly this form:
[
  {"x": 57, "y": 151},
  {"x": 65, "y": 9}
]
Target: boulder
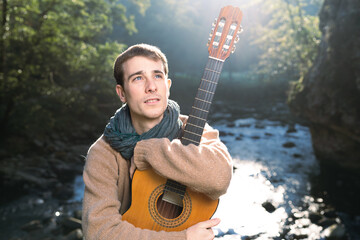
[{"x": 329, "y": 95}]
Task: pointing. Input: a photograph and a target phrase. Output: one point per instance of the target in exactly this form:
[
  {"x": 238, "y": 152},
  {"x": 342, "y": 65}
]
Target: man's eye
[
  {"x": 137, "y": 78},
  {"x": 158, "y": 76}
]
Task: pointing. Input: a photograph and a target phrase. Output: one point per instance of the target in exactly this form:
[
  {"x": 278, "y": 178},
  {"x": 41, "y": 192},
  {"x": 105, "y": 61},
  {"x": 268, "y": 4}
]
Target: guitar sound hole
[{"x": 168, "y": 210}]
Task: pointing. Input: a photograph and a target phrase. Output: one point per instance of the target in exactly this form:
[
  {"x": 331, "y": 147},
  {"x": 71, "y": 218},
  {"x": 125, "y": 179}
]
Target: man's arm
[
  {"x": 105, "y": 177},
  {"x": 206, "y": 168}
]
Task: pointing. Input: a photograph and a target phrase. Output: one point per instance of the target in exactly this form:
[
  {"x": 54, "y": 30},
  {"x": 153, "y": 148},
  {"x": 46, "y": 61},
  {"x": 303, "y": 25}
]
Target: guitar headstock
[{"x": 225, "y": 32}]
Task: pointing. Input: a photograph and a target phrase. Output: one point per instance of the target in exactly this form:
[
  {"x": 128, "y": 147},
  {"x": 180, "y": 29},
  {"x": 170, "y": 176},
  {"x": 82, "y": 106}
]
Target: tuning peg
[
  {"x": 233, "y": 49},
  {"x": 208, "y": 43},
  {"x": 240, "y": 29},
  {"x": 211, "y": 33},
  {"x": 214, "y": 23},
  {"x": 236, "y": 39}
]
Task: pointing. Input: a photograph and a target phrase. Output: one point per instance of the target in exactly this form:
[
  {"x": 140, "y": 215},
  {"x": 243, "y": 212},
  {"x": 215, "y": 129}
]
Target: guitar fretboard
[
  {"x": 202, "y": 103},
  {"x": 199, "y": 112}
]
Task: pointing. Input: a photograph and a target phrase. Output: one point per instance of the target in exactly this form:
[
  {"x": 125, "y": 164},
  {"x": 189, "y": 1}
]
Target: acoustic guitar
[{"x": 163, "y": 204}]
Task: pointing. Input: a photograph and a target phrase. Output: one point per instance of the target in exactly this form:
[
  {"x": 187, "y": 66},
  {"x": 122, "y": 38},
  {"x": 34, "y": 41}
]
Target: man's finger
[{"x": 210, "y": 223}]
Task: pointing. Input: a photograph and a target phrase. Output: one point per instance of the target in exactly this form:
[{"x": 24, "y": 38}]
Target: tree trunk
[
  {"x": 3, "y": 70},
  {"x": 2, "y": 42}
]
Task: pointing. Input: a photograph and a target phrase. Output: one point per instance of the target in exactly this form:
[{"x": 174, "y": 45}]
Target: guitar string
[
  {"x": 208, "y": 75},
  {"x": 173, "y": 212},
  {"x": 210, "y": 85},
  {"x": 168, "y": 209},
  {"x": 161, "y": 211}
]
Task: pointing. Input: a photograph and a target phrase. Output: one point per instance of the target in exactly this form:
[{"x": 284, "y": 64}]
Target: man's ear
[
  {"x": 121, "y": 93},
  {"x": 169, "y": 86}
]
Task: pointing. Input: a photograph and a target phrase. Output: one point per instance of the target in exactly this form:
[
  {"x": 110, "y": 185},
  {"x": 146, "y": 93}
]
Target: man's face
[{"x": 146, "y": 89}]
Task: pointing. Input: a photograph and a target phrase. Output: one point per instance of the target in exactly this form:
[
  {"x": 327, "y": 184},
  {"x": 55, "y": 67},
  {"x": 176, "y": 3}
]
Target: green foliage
[
  {"x": 57, "y": 55},
  {"x": 173, "y": 25},
  {"x": 288, "y": 36},
  {"x": 56, "y": 64},
  {"x": 279, "y": 41}
]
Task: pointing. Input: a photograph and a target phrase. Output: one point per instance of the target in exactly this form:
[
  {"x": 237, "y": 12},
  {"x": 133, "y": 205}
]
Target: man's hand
[{"x": 202, "y": 230}]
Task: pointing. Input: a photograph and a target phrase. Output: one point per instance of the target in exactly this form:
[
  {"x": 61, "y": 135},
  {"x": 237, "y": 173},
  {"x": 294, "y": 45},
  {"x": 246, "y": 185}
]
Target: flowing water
[{"x": 272, "y": 166}]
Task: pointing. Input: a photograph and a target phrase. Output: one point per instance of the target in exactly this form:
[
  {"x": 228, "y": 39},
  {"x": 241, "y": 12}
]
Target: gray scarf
[{"x": 122, "y": 137}]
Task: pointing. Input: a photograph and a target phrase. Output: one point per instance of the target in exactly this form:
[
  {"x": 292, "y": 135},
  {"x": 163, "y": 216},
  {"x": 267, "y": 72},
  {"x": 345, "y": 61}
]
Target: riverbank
[{"x": 37, "y": 191}]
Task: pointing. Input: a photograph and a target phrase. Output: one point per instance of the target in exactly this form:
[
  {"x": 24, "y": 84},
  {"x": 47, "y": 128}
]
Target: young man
[{"x": 143, "y": 134}]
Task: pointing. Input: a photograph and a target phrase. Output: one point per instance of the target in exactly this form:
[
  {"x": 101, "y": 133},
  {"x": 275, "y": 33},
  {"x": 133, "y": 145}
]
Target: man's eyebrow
[
  {"x": 159, "y": 71},
  {"x": 141, "y": 72},
  {"x": 134, "y": 74}
]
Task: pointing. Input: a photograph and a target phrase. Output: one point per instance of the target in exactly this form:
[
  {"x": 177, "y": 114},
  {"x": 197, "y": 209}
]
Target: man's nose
[{"x": 151, "y": 85}]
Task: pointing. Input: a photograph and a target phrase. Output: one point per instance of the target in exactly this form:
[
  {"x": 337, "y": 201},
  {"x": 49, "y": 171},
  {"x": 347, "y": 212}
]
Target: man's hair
[{"x": 143, "y": 50}]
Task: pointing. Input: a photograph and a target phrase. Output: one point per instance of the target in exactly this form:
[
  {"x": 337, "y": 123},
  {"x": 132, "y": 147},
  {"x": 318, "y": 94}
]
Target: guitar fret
[
  {"x": 212, "y": 70},
  {"x": 198, "y": 122},
  {"x": 200, "y": 113},
  {"x": 206, "y": 91},
  {"x": 199, "y": 109},
  {"x": 197, "y": 117},
  {"x": 205, "y": 96},
  {"x": 206, "y": 80},
  {"x": 192, "y": 133},
  {"x": 194, "y": 125},
  {"x": 202, "y": 100},
  {"x": 189, "y": 128},
  {"x": 191, "y": 140},
  {"x": 217, "y": 59}
]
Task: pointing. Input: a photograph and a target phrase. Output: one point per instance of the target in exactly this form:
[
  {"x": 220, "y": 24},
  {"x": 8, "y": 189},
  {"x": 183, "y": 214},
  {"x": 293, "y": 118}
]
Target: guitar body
[
  {"x": 163, "y": 204},
  {"x": 147, "y": 190}
]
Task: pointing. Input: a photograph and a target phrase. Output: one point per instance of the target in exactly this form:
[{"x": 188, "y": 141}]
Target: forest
[
  {"x": 285, "y": 106},
  {"x": 57, "y": 56}
]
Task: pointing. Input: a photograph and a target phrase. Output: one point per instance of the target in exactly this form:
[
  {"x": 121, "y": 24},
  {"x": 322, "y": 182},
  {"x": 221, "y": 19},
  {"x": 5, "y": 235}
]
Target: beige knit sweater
[{"x": 206, "y": 168}]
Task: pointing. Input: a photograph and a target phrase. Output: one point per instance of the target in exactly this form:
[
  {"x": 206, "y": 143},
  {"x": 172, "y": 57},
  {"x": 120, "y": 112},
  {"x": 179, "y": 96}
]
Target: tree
[
  {"x": 289, "y": 37},
  {"x": 56, "y": 63}
]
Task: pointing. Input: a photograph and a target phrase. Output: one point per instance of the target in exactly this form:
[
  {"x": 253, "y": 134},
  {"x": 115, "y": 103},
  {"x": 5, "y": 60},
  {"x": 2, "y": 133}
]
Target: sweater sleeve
[
  {"x": 206, "y": 168},
  {"x": 101, "y": 204}
]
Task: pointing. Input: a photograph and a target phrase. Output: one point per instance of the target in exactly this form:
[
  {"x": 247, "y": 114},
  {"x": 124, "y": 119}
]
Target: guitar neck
[{"x": 204, "y": 96}]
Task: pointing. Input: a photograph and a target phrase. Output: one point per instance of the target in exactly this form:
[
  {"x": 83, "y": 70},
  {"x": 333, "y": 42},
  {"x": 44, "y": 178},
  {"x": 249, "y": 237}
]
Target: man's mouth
[{"x": 152, "y": 100}]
